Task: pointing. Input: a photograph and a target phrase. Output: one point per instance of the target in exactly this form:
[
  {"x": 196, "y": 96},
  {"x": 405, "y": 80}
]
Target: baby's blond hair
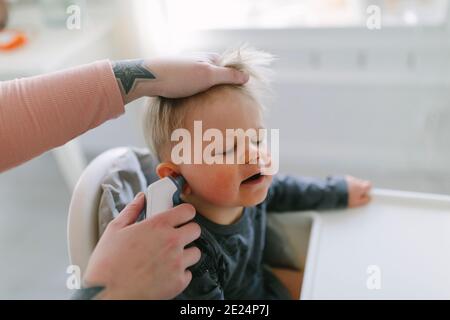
[{"x": 164, "y": 115}]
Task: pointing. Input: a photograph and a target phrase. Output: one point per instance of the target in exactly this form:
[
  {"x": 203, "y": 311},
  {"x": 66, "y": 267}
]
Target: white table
[{"x": 398, "y": 247}]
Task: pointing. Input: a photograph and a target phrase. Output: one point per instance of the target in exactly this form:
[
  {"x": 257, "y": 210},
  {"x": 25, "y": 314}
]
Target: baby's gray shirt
[{"x": 231, "y": 265}]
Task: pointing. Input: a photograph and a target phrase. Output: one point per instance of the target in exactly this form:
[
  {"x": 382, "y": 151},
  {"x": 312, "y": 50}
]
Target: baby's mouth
[{"x": 256, "y": 178}]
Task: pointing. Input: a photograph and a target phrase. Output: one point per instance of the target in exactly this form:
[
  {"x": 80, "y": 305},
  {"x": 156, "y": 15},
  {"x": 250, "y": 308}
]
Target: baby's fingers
[
  {"x": 365, "y": 199},
  {"x": 366, "y": 185}
]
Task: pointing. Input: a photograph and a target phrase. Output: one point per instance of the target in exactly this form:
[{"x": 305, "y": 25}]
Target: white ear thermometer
[{"x": 163, "y": 194}]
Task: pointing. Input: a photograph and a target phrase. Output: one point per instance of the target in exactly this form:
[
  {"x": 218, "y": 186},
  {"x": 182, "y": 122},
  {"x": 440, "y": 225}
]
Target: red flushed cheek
[
  {"x": 221, "y": 187},
  {"x": 216, "y": 184}
]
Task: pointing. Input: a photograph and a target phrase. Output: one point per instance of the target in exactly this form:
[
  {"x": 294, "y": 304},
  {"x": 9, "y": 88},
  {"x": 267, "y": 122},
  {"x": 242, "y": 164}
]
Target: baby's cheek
[{"x": 220, "y": 187}]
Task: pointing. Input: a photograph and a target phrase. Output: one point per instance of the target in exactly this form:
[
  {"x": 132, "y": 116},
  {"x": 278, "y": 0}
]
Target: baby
[{"x": 232, "y": 198}]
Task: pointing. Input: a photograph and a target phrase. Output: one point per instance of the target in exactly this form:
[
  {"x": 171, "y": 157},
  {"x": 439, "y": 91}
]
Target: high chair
[{"x": 82, "y": 223}]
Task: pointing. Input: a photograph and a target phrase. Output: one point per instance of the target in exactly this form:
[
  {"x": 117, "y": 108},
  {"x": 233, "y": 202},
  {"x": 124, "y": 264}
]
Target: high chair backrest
[{"x": 82, "y": 224}]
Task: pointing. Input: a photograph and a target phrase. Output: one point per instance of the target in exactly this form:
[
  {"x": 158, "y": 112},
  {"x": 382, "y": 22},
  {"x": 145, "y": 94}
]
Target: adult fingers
[
  {"x": 191, "y": 256},
  {"x": 224, "y": 75},
  {"x": 188, "y": 233},
  {"x": 131, "y": 212},
  {"x": 179, "y": 215},
  {"x": 187, "y": 279}
]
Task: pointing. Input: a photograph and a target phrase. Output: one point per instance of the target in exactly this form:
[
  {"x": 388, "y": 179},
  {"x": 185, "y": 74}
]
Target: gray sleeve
[{"x": 289, "y": 193}]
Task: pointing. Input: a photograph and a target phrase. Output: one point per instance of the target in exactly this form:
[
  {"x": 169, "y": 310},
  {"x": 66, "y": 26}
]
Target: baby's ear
[{"x": 167, "y": 169}]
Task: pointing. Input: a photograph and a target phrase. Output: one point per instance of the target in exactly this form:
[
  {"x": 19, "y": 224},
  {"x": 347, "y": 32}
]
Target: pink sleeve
[{"x": 43, "y": 112}]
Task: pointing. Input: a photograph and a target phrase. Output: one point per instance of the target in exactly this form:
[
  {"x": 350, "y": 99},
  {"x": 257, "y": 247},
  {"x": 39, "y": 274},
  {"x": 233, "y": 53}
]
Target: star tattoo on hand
[{"x": 128, "y": 72}]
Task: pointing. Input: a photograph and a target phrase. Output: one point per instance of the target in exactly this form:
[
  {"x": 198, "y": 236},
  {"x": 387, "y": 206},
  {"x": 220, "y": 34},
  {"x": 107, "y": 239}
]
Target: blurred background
[{"x": 350, "y": 96}]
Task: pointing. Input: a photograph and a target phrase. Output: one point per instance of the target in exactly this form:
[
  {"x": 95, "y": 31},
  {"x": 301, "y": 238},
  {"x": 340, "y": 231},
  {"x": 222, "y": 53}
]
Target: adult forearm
[{"x": 43, "y": 112}]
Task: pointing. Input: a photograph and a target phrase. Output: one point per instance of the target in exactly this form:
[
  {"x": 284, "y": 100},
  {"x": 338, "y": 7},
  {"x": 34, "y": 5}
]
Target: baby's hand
[{"x": 358, "y": 191}]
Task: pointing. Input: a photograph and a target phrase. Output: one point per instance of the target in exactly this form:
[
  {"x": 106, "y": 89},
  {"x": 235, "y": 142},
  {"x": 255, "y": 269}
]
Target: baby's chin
[
  {"x": 242, "y": 201},
  {"x": 253, "y": 200},
  {"x": 241, "y": 198}
]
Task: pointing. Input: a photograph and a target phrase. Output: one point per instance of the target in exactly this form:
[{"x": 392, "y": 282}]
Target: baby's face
[{"x": 227, "y": 185}]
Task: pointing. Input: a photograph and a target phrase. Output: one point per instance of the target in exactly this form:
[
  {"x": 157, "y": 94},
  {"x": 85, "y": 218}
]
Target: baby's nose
[
  {"x": 264, "y": 160},
  {"x": 251, "y": 154}
]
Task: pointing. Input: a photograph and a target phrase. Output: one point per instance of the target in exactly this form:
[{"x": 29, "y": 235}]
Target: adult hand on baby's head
[
  {"x": 173, "y": 77},
  {"x": 145, "y": 260},
  {"x": 358, "y": 191}
]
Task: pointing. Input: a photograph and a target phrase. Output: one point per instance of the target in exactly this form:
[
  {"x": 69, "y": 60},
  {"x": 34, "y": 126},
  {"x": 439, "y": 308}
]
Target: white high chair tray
[{"x": 398, "y": 247}]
